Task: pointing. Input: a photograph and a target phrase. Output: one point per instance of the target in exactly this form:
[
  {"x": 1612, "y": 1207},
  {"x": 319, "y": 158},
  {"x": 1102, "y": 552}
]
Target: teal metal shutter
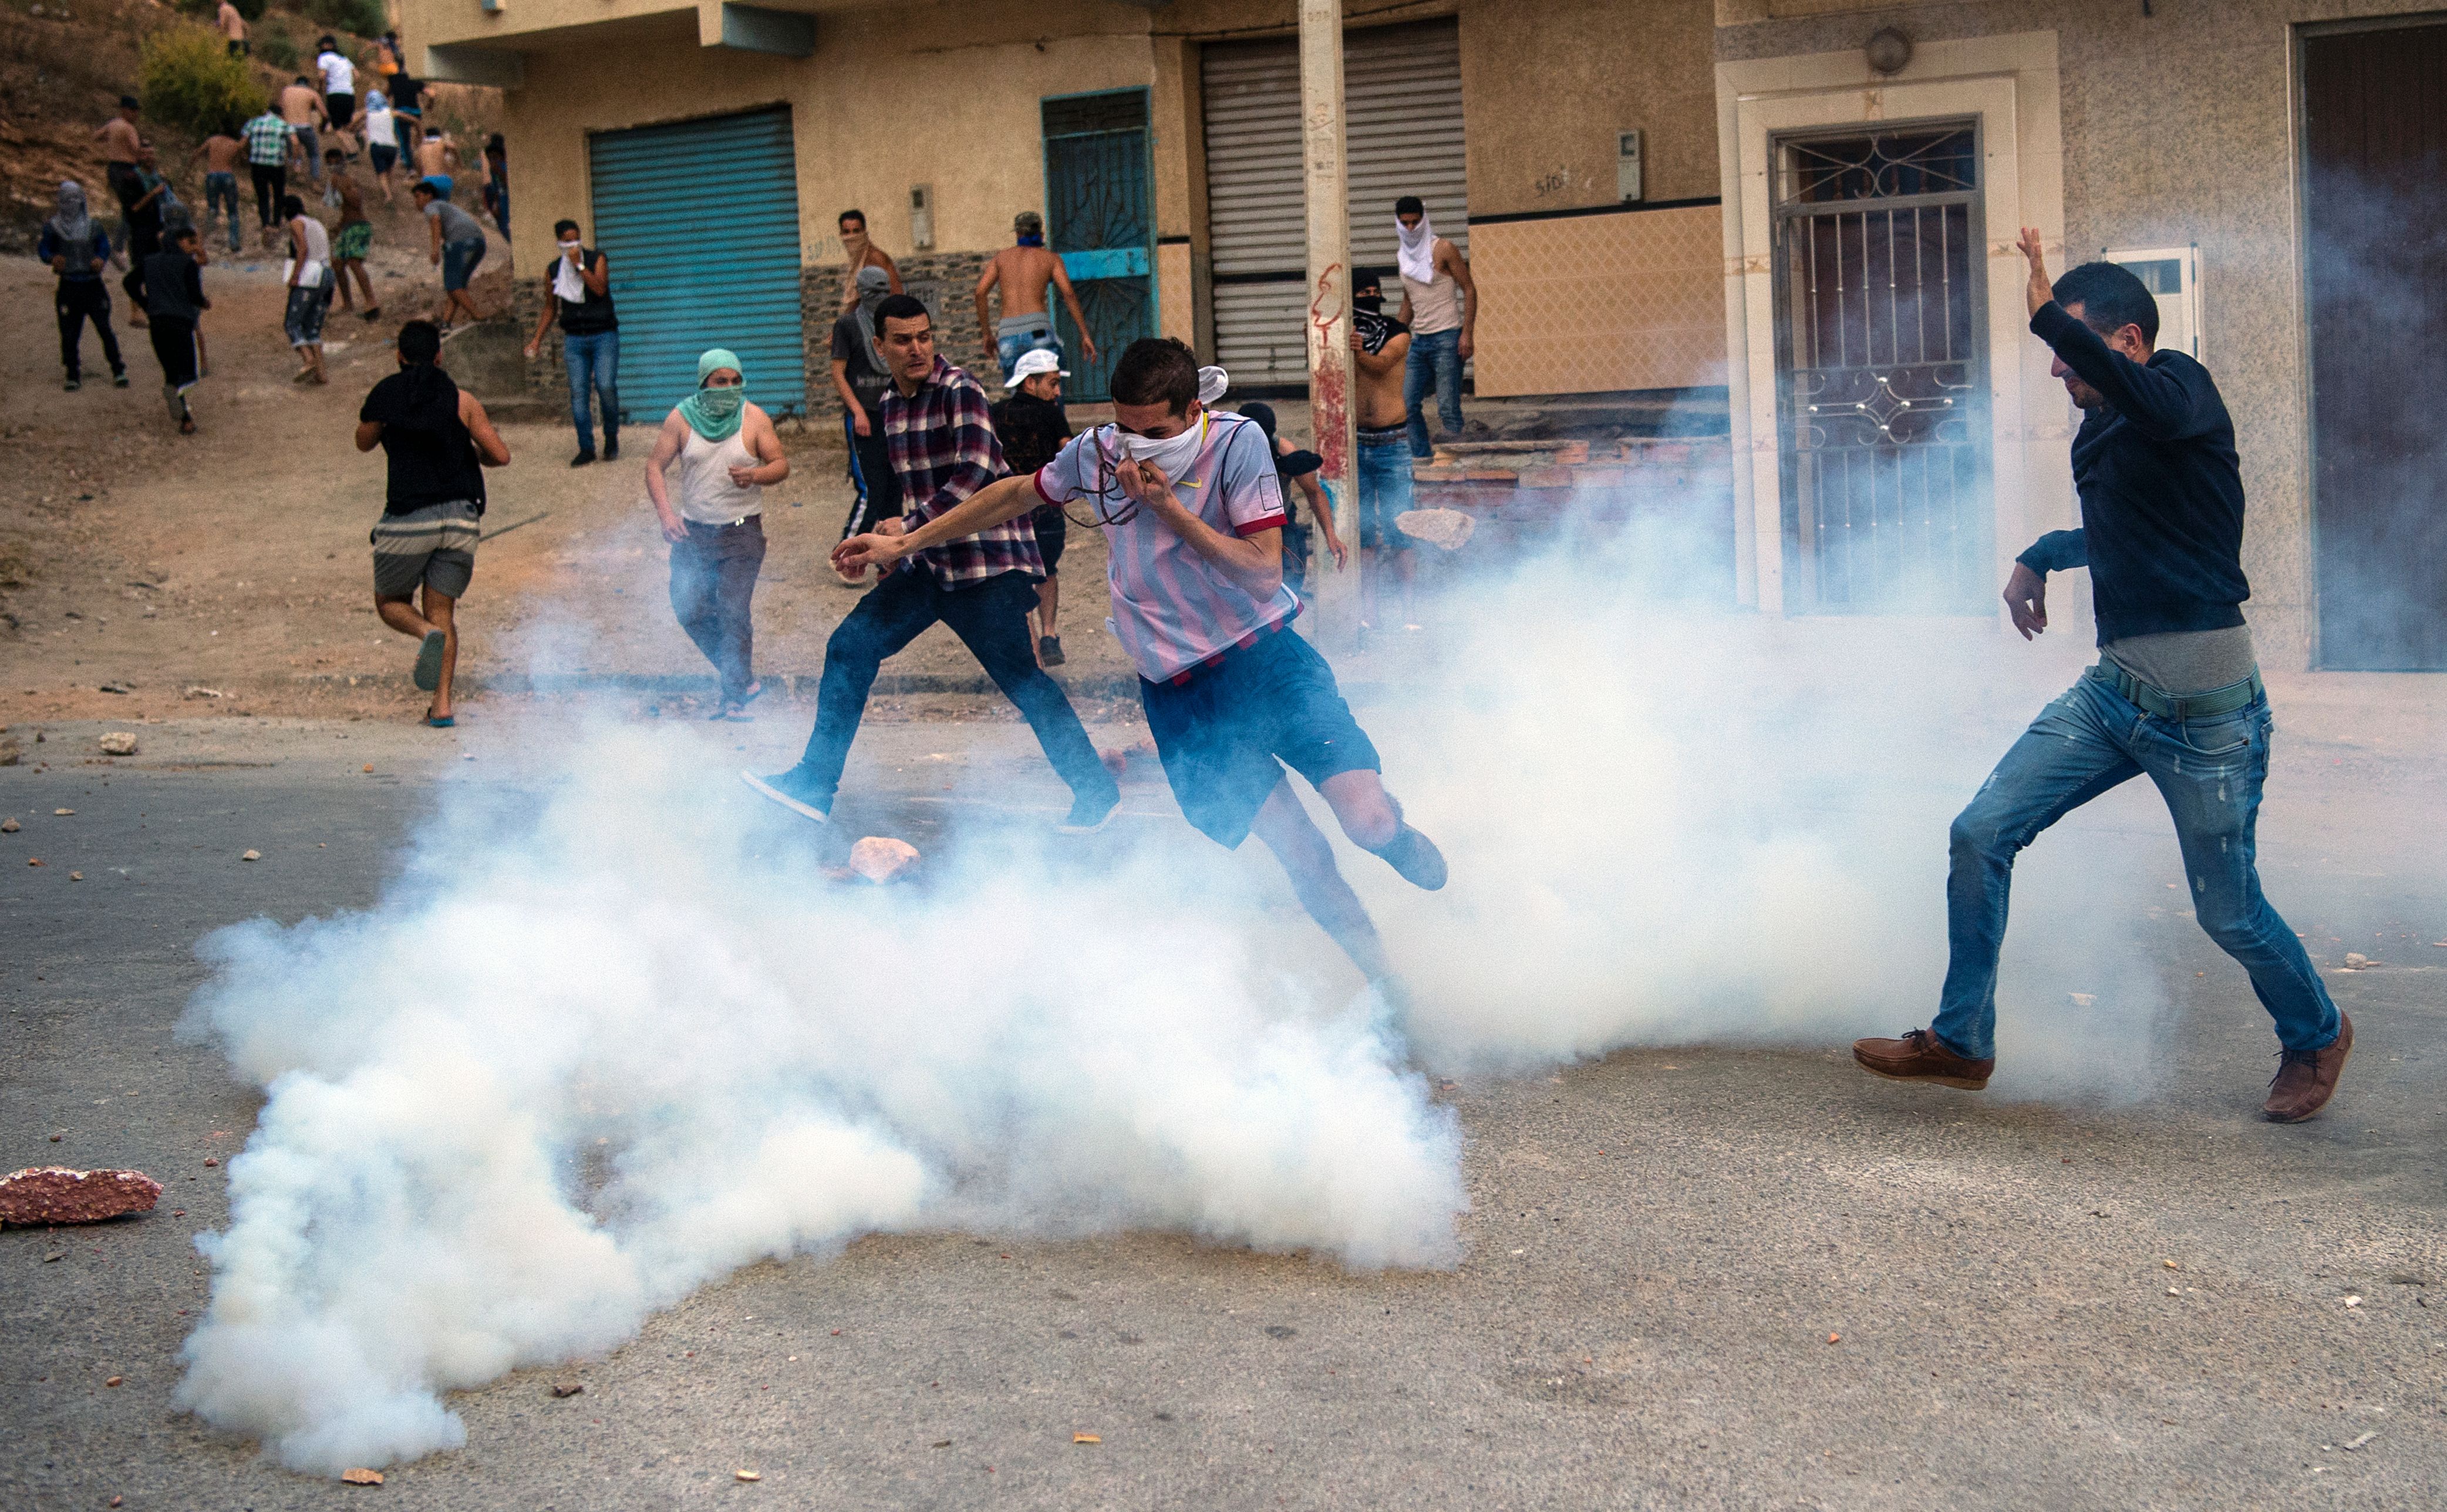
[{"x": 701, "y": 222}]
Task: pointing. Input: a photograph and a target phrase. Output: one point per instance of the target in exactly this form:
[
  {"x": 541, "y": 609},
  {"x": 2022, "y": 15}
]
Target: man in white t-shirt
[
  {"x": 1192, "y": 513},
  {"x": 339, "y": 81}
]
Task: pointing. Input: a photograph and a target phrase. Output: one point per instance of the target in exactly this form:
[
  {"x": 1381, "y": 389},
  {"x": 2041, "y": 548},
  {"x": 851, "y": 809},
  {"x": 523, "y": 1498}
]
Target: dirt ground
[{"x": 235, "y": 561}]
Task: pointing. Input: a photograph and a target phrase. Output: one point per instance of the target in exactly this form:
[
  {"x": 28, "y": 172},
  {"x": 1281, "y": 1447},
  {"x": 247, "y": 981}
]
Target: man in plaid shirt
[
  {"x": 267, "y": 161},
  {"x": 942, "y": 445}
]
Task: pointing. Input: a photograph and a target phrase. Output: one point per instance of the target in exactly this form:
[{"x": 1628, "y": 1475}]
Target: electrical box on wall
[
  {"x": 1626, "y": 166},
  {"x": 921, "y": 216},
  {"x": 2173, "y": 275}
]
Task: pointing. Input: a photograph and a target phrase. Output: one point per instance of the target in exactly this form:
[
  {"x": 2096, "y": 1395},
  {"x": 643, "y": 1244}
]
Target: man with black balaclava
[{"x": 1380, "y": 345}]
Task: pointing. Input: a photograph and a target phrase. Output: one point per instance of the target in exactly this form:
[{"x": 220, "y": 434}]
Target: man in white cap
[{"x": 1033, "y": 426}]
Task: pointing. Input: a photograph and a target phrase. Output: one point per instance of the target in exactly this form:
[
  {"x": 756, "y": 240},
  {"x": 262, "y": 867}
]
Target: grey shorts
[{"x": 434, "y": 547}]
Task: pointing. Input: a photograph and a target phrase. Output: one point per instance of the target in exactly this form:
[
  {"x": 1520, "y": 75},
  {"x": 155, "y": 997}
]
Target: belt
[
  {"x": 717, "y": 524},
  {"x": 1383, "y": 434},
  {"x": 2156, "y": 701}
]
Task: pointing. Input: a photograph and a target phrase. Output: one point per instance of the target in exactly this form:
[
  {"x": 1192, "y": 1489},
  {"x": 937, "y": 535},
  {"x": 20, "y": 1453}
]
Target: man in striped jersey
[
  {"x": 979, "y": 579},
  {"x": 1193, "y": 513}
]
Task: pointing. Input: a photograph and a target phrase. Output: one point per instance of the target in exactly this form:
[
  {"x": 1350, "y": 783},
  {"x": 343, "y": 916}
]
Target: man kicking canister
[
  {"x": 2176, "y": 692},
  {"x": 1193, "y": 515},
  {"x": 981, "y": 579}
]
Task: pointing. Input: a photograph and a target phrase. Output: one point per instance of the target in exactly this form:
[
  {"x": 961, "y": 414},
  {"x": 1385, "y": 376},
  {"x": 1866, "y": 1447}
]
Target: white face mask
[
  {"x": 570, "y": 249},
  {"x": 1175, "y": 455}
]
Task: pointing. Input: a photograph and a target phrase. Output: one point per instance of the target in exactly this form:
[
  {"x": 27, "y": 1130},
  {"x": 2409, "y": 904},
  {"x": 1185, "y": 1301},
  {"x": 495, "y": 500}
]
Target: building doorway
[
  {"x": 1881, "y": 370},
  {"x": 660, "y": 194},
  {"x": 1098, "y": 218},
  {"x": 2374, "y": 191}
]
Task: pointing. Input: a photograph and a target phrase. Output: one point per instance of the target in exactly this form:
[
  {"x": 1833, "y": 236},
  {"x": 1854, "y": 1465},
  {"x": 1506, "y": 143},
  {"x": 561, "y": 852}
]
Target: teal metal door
[
  {"x": 701, "y": 222},
  {"x": 1098, "y": 218}
]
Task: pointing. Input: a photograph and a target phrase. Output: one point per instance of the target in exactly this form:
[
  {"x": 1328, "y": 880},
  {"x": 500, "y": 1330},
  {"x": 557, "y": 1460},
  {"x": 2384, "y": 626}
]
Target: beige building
[{"x": 1742, "y": 198}]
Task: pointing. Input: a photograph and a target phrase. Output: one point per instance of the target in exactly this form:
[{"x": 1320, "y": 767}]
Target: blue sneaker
[{"x": 796, "y": 790}]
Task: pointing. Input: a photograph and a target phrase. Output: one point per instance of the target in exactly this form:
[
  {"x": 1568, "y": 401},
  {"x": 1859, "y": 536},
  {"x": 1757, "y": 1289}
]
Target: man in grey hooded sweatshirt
[{"x": 860, "y": 377}]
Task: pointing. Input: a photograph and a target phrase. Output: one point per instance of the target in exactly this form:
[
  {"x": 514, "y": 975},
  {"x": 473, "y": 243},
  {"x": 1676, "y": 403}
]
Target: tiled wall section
[{"x": 1599, "y": 304}]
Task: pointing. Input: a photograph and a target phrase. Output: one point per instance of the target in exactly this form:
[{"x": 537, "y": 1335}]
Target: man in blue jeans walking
[
  {"x": 580, "y": 299},
  {"x": 1440, "y": 307},
  {"x": 2177, "y": 693}
]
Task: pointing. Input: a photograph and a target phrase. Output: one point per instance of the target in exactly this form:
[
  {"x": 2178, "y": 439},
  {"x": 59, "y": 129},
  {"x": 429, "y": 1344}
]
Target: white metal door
[{"x": 1403, "y": 123}]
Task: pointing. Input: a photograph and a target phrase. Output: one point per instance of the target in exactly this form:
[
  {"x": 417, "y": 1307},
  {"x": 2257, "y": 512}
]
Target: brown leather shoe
[
  {"x": 2306, "y": 1079},
  {"x": 1921, "y": 1056}
]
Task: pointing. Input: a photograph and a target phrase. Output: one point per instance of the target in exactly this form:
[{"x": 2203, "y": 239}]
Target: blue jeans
[
  {"x": 1434, "y": 363},
  {"x": 991, "y": 618},
  {"x": 593, "y": 362},
  {"x": 1013, "y": 345},
  {"x": 219, "y": 187},
  {"x": 458, "y": 259},
  {"x": 1384, "y": 489},
  {"x": 2209, "y": 772}
]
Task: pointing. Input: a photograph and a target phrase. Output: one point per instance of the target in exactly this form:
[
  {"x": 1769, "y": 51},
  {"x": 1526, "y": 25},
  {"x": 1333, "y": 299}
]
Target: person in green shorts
[{"x": 354, "y": 235}]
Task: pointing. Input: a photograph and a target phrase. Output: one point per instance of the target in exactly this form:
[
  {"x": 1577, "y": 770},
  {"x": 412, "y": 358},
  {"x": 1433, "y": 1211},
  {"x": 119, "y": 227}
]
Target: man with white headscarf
[
  {"x": 78, "y": 250},
  {"x": 861, "y": 377},
  {"x": 579, "y": 296},
  {"x": 1440, "y": 305}
]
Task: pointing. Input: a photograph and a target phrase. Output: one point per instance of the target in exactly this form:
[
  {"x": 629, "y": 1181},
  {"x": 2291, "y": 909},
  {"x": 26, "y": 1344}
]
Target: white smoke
[
  {"x": 582, "y": 1060},
  {"x": 572, "y": 1069}
]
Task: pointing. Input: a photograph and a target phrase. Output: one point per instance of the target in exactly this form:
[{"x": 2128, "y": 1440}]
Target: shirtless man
[
  {"x": 223, "y": 155},
  {"x": 1023, "y": 271},
  {"x": 232, "y": 28},
  {"x": 120, "y": 147},
  {"x": 1380, "y": 348},
  {"x": 863, "y": 253},
  {"x": 301, "y": 105},
  {"x": 437, "y": 157}
]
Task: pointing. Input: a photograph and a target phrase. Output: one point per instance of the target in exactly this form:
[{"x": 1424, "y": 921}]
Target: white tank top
[{"x": 705, "y": 492}]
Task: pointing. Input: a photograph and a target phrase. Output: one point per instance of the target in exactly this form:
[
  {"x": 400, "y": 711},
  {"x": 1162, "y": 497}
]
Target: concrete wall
[
  {"x": 2179, "y": 128},
  {"x": 1550, "y": 85}
]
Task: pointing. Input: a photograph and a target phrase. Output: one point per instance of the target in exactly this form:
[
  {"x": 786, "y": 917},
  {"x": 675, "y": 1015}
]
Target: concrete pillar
[{"x": 1327, "y": 173}]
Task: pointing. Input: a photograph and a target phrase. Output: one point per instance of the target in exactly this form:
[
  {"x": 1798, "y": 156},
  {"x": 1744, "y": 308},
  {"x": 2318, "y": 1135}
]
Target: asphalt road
[{"x": 1694, "y": 1278}]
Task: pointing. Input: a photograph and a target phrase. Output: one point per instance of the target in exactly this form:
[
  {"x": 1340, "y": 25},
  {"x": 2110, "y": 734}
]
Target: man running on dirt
[
  {"x": 1023, "y": 271},
  {"x": 223, "y": 155}
]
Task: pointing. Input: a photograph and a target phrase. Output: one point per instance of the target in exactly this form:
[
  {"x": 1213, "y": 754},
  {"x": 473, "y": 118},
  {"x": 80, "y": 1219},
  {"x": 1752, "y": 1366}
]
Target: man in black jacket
[{"x": 2176, "y": 692}]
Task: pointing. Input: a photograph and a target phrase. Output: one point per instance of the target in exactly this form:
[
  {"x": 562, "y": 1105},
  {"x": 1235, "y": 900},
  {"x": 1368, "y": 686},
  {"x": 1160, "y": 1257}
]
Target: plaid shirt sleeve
[{"x": 966, "y": 455}]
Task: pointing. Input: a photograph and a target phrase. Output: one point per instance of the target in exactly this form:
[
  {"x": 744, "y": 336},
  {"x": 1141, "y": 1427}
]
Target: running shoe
[
  {"x": 1088, "y": 815},
  {"x": 1414, "y": 858},
  {"x": 428, "y": 662},
  {"x": 796, "y": 790},
  {"x": 1049, "y": 650}
]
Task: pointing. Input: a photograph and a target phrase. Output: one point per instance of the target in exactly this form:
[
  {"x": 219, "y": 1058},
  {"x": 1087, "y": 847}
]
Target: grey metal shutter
[
  {"x": 701, "y": 222},
  {"x": 1403, "y": 129}
]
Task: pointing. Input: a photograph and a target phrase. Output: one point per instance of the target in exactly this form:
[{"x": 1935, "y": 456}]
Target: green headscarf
[{"x": 715, "y": 413}]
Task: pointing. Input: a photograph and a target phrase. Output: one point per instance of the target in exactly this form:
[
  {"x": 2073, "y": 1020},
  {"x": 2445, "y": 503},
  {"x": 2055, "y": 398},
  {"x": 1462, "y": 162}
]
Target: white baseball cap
[{"x": 1035, "y": 361}]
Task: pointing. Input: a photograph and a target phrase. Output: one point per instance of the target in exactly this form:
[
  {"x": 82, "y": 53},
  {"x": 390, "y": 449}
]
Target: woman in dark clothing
[{"x": 171, "y": 284}]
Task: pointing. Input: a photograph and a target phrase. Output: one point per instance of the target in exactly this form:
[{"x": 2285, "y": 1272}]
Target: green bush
[
  {"x": 188, "y": 80},
  {"x": 366, "y": 18},
  {"x": 274, "y": 48}
]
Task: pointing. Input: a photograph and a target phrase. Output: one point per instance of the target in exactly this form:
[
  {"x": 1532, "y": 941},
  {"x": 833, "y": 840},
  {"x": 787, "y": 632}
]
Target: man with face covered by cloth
[
  {"x": 2176, "y": 692},
  {"x": 860, "y": 378},
  {"x": 1192, "y": 512}
]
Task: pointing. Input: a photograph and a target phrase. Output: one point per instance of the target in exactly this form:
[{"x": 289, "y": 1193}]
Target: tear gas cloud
[{"x": 590, "y": 1053}]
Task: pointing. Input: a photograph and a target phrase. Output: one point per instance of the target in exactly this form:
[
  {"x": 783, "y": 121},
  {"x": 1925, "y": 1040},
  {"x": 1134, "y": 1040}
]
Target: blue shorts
[
  {"x": 1384, "y": 487},
  {"x": 1010, "y": 345},
  {"x": 458, "y": 259},
  {"x": 1226, "y": 734}
]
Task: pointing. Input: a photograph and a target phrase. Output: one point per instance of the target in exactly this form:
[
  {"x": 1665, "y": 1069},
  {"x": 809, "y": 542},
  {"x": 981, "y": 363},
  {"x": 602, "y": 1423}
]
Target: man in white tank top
[
  {"x": 724, "y": 454},
  {"x": 1440, "y": 305}
]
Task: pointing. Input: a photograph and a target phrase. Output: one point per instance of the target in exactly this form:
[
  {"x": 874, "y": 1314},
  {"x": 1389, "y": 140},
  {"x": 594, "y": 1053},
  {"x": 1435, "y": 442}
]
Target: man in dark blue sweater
[{"x": 2176, "y": 692}]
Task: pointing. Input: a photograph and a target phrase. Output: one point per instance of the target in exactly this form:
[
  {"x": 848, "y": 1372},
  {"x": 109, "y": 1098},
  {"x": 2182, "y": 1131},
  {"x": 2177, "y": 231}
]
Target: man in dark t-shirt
[
  {"x": 860, "y": 378},
  {"x": 1033, "y": 426},
  {"x": 437, "y": 442}
]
